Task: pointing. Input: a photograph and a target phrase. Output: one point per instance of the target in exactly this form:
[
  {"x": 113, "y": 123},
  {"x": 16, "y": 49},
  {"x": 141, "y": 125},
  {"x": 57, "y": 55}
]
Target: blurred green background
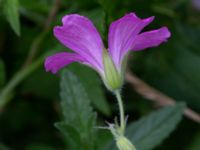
[{"x": 29, "y": 100}]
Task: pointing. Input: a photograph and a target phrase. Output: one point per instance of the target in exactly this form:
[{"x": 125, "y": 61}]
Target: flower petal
[
  {"x": 79, "y": 34},
  {"x": 122, "y": 33},
  {"x": 56, "y": 62},
  {"x": 151, "y": 38}
]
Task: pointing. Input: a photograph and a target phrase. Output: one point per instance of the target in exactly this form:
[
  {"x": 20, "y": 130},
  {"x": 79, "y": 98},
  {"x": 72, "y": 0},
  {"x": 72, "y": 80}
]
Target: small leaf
[
  {"x": 150, "y": 131},
  {"x": 11, "y": 11},
  {"x": 78, "y": 115}
]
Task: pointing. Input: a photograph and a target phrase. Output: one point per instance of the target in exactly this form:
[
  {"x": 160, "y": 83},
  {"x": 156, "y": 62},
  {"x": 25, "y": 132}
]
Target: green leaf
[
  {"x": 2, "y": 73},
  {"x": 79, "y": 119},
  {"x": 150, "y": 131},
  {"x": 95, "y": 93},
  {"x": 11, "y": 11}
]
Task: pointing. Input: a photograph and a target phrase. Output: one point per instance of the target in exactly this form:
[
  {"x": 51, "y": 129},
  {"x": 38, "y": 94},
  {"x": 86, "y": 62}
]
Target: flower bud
[
  {"x": 124, "y": 144},
  {"x": 112, "y": 79}
]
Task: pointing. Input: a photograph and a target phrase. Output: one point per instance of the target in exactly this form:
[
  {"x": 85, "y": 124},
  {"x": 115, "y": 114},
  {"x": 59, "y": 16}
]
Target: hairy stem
[{"x": 121, "y": 110}]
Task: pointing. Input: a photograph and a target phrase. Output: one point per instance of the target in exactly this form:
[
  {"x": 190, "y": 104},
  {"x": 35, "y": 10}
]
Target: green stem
[
  {"x": 121, "y": 110},
  {"x": 5, "y": 94}
]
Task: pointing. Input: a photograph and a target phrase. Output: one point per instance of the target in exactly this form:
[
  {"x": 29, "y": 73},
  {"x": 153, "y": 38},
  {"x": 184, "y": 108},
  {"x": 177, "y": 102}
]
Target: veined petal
[
  {"x": 151, "y": 39},
  {"x": 122, "y": 34},
  {"x": 79, "y": 34},
  {"x": 57, "y": 61}
]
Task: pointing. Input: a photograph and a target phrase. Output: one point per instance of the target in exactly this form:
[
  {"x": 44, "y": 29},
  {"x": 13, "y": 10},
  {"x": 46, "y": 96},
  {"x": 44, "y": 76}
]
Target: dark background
[{"x": 32, "y": 105}]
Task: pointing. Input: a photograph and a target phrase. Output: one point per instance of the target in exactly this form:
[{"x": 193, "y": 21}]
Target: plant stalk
[{"x": 121, "y": 111}]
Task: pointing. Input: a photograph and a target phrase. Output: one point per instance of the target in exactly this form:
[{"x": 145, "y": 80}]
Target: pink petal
[
  {"x": 122, "y": 34},
  {"x": 151, "y": 38},
  {"x": 79, "y": 34},
  {"x": 56, "y": 62}
]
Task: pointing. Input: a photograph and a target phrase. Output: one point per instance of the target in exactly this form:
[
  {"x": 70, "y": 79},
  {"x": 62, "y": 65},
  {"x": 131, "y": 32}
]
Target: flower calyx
[{"x": 112, "y": 77}]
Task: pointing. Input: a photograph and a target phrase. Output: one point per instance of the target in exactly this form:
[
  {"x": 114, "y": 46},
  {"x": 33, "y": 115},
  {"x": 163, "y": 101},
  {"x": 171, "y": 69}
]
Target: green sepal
[{"x": 112, "y": 79}]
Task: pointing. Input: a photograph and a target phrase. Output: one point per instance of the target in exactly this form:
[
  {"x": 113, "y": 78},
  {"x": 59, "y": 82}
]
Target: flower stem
[
  {"x": 121, "y": 110},
  {"x": 6, "y": 93}
]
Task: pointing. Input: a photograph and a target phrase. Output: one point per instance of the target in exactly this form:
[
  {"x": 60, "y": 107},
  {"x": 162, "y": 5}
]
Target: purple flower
[{"x": 80, "y": 35}]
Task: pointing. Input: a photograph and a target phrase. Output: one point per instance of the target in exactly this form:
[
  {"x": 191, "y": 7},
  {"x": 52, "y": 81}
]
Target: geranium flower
[{"x": 80, "y": 35}]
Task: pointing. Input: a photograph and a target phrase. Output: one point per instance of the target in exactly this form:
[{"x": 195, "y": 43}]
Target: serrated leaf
[
  {"x": 95, "y": 93},
  {"x": 11, "y": 11},
  {"x": 150, "y": 131},
  {"x": 77, "y": 112}
]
